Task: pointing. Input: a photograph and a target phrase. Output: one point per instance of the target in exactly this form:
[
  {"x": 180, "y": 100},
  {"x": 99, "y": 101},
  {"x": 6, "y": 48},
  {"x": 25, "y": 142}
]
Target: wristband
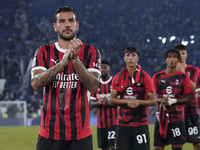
[
  {"x": 197, "y": 90},
  {"x": 172, "y": 101}
]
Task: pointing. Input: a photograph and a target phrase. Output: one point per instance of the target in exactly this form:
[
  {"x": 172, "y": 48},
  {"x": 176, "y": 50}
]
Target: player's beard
[
  {"x": 104, "y": 75},
  {"x": 67, "y": 38}
]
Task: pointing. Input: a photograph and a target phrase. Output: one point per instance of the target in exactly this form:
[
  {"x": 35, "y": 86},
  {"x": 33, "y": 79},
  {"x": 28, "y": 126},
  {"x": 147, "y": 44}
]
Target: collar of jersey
[
  {"x": 105, "y": 82},
  {"x": 59, "y": 48}
]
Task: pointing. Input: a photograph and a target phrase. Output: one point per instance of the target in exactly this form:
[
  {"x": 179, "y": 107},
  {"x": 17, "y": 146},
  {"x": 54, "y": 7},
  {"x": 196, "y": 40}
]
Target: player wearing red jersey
[
  {"x": 173, "y": 89},
  {"x": 133, "y": 91},
  {"x": 65, "y": 70},
  {"x": 107, "y": 113},
  {"x": 192, "y": 120}
]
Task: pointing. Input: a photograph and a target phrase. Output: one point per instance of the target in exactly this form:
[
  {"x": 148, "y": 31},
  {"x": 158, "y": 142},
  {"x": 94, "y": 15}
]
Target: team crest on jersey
[
  {"x": 188, "y": 73},
  {"x": 177, "y": 81},
  {"x": 34, "y": 62}
]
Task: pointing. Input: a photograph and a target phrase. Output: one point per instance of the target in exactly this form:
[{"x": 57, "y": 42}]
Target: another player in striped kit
[
  {"x": 133, "y": 91},
  {"x": 173, "y": 90},
  {"x": 192, "y": 120},
  {"x": 107, "y": 113}
]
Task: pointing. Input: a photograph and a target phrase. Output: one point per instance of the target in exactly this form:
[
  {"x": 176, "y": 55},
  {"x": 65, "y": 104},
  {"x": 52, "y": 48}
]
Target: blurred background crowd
[{"x": 110, "y": 25}]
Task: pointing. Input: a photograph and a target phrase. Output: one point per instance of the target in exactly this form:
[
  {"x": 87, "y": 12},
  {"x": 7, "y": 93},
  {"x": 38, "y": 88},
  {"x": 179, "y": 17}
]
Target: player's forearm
[
  {"x": 39, "y": 80},
  {"x": 95, "y": 104},
  {"x": 187, "y": 99},
  {"x": 89, "y": 81},
  {"x": 147, "y": 102},
  {"x": 110, "y": 104},
  {"x": 118, "y": 102},
  {"x": 151, "y": 101}
]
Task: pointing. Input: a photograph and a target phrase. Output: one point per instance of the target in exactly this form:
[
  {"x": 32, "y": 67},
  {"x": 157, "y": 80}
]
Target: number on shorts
[
  {"x": 141, "y": 138},
  {"x": 176, "y": 132},
  {"x": 193, "y": 130},
  {"x": 111, "y": 135}
]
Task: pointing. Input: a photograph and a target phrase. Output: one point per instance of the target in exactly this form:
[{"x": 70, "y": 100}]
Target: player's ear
[
  {"x": 109, "y": 69},
  {"x": 138, "y": 58},
  {"x": 124, "y": 59},
  {"x": 54, "y": 26},
  {"x": 77, "y": 25}
]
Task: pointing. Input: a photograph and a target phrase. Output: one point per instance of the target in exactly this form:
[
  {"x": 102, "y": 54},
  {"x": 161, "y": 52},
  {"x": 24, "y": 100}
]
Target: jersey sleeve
[
  {"x": 95, "y": 60},
  {"x": 148, "y": 82},
  {"x": 196, "y": 73},
  {"x": 187, "y": 85},
  {"x": 39, "y": 60},
  {"x": 113, "y": 87}
]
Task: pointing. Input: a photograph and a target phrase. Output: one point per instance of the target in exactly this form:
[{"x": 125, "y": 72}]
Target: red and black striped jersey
[
  {"x": 192, "y": 108},
  {"x": 177, "y": 86},
  {"x": 65, "y": 111},
  {"x": 106, "y": 115},
  {"x": 133, "y": 116}
]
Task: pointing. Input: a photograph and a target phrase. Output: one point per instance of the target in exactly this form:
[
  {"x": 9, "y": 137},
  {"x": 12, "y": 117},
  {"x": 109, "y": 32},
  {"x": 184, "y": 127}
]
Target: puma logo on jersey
[
  {"x": 137, "y": 69},
  {"x": 55, "y": 61},
  {"x": 163, "y": 81}
]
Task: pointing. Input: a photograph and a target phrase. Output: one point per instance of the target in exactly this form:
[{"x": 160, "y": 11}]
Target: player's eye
[{"x": 61, "y": 20}]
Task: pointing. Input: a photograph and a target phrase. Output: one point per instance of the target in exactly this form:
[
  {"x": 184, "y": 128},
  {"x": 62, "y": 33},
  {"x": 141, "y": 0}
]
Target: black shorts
[
  {"x": 192, "y": 125},
  {"x": 132, "y": 138},
  {"x": 106, "y": 137},
  {"x": 176, "y": 135},
  {"x": 48, "y": 144}
]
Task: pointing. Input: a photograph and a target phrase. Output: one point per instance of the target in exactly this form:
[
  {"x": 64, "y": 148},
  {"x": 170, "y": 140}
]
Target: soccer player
[
  {"x": 66, "y": 70},
  {"x": 192, "y": 120},
  {"x": 133, "y": 91},
  {"x": 107, "y": 113},
  {"x": 173, "y": 89}
]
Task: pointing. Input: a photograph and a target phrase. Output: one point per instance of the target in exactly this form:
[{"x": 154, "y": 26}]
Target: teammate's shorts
[
  {"x": 132, "y": 138},
  {"x": 176, "y": 135},
  {"x": 192, "y": 125},
  {"x": 106, "y": 137},
  {"x": 48, "y": 144}
]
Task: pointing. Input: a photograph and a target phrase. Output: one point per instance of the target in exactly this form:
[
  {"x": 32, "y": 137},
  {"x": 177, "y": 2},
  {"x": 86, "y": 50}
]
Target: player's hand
[
  {"x": 106, "y": 100},
  {"x": 65, "y": 60},
  {"x": 75, "y": 47},
  {"x": 159, "y": 100},
  {"x": 164, "y": 100},
  {"x": 101, "y": 101},
  {"x": 133, "y": 103}
]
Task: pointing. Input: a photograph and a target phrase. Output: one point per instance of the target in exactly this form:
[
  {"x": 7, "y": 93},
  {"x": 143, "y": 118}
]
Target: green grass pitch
[{"x": 25, "y": 138}]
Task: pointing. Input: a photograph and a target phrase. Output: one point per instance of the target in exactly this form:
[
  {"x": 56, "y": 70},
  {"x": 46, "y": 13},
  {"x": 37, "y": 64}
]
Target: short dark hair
[
  {"x": 105, "y": 62},
  {"x": 64, "y": 9},
  {"x": 131, "y": 49},
  {"x": 173, "y": 50},
  {"x": 180, "y": 47}
]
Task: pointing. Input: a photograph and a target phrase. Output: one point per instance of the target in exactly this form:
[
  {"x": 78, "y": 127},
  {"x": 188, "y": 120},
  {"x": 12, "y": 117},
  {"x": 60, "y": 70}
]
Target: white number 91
[{"x": 141, "y": 138}]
